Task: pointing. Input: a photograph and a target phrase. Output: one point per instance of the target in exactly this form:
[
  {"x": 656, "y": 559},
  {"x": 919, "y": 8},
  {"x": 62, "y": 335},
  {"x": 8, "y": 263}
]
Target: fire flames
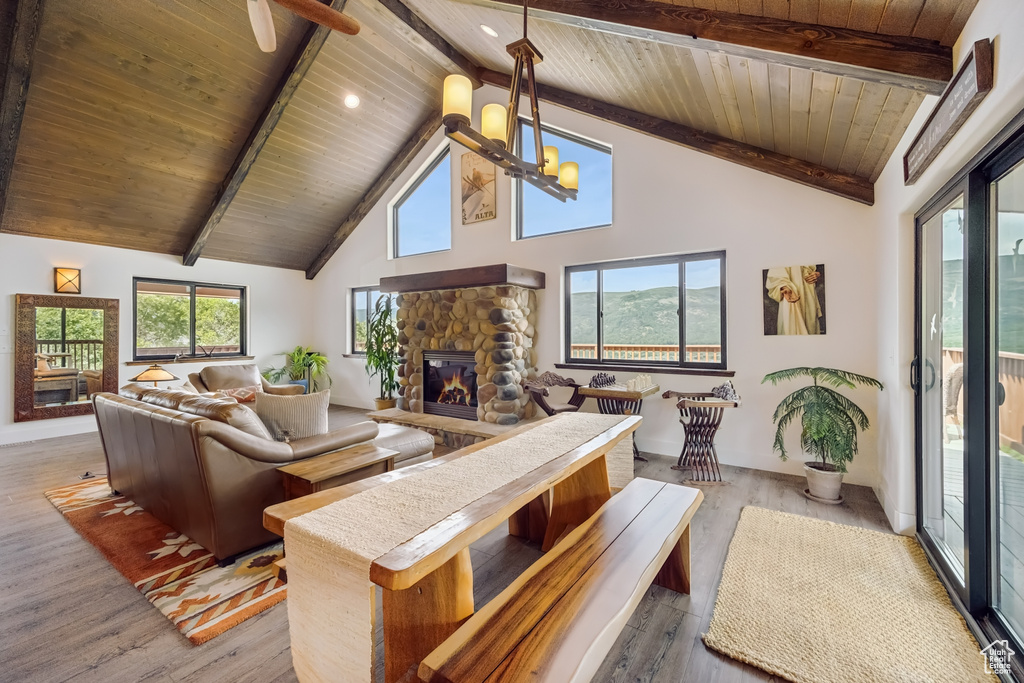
[{"x": 454, "y": 391}]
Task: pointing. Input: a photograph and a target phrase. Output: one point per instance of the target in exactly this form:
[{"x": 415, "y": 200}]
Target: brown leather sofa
[
  {"x": 217, "y": 377},
  {"x": 206, "y": 467}
]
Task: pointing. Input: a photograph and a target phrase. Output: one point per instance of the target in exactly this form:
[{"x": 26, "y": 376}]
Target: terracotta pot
[
  {"x": 823, "y": 483},
  {"x": 384, "y": 403}
]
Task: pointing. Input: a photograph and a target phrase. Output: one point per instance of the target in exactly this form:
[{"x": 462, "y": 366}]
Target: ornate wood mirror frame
[{"x": 25, "y": 408}]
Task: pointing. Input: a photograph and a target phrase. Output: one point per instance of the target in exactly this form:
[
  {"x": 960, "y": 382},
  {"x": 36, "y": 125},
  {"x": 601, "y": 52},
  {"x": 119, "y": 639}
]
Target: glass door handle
[
  {"x": 914, "y": 371},
  {"x": 1000, "y": 394},
  {"x": 931, "y": 380}
]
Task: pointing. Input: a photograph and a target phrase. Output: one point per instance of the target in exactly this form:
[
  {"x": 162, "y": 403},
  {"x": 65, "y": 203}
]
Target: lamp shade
[
  {"x": 569, "y": 175},
  {"x": 494, "y": 123},
  {"x": 262, "y": 24},
  {"x": 458, "y": 97},
  {"x": 67, "y": 280},
  {"x": 154, "y": 374},
  {"x": 551, "y": 165}
]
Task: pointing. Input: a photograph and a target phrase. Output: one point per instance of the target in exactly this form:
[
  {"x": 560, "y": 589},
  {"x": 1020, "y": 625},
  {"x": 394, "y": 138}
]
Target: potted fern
[
  {"x": 382, "y": 351},
  {"x": 302, "y": 366},
  {"x": 829, "y": 423}
]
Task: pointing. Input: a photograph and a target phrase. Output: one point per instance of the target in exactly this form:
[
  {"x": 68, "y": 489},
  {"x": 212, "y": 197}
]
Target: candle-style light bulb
[
  {"x": 551, "y": 163},
  {"x": 569, "y": 175},
  {"x": 458, "y": 98},
  {"x": 494, "y": 123}
]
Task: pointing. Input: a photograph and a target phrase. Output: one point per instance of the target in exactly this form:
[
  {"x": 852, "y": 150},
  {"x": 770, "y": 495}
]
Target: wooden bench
[{"x": 558, "y": 620}]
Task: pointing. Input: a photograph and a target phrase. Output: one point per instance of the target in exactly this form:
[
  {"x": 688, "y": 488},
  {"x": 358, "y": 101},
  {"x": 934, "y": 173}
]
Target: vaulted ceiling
[{"x": 162, "y": 127}]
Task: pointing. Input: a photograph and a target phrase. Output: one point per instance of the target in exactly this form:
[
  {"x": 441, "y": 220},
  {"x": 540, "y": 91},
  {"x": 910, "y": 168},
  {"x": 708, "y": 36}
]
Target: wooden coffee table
[{"x": 335, "y": 468}]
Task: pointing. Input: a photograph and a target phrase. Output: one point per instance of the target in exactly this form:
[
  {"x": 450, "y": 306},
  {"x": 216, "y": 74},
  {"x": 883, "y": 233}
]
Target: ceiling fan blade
[
  {"x": 322, "y": 14},
  {"x": 262, "y": 24}
]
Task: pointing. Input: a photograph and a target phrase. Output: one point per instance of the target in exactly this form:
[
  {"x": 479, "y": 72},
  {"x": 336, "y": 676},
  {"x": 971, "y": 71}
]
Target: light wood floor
[{"x": 67, "y": 615}]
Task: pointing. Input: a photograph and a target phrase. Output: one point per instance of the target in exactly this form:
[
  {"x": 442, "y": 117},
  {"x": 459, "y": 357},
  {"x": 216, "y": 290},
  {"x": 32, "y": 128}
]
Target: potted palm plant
[
  {"x": 302, "y": 366},
  {"x": 382, "y": 351},
  {"x": 829, "y": 423}
]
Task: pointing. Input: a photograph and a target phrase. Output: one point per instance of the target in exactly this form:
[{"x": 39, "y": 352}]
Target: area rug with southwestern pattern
[
  {"x": 813, "y": 601},
  {"x": 178, "y": 576}
]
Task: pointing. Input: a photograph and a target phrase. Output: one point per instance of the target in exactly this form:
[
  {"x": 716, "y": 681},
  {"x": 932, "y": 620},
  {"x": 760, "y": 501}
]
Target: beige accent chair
[
  {"x": 217, "y": 377},
  {"x": 207, "y": 466}
]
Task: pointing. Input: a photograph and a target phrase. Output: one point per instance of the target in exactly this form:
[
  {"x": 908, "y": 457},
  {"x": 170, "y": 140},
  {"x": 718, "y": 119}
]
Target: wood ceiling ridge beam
[
  {"x": 299, "y": 65},
  {"x": 377, "y": 190},
  {"x": 19, "y": 32},
  {"x": 431, "y": 39},
  {"x": 905, "y": 62},
  {"x": 842, "y": 184}
]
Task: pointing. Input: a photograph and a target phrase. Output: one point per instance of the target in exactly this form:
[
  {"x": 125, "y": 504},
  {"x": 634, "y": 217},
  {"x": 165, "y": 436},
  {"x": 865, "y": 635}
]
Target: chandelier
[{"x": 498, "y": 125}]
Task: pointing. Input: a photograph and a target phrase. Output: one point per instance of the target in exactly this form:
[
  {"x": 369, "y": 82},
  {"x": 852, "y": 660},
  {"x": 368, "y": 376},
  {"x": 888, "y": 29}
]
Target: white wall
[
  {"x": 1003, "y": 21},
  {"x": 280, "y": 309},
  {"x": 667, "y": 200}
]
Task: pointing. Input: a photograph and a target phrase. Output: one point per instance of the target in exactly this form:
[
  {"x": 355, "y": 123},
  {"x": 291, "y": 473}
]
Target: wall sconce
[{"x": 67, "y": 280}]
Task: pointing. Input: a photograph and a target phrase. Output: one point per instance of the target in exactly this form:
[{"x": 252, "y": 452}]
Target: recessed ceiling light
[
  {"x": 351, "y": 101},
  {"x": 488, "y": 30}
]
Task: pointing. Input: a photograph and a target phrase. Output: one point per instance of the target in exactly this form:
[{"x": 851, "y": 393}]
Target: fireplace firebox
[{"x": 450, "y": 384}]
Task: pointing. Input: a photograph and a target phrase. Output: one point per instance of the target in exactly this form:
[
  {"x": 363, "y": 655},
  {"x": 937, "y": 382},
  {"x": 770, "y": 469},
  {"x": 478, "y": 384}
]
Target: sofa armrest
[
  {"x": 332, "y": 441},
  {"x": 282, "y": 389},
  {"x": 247, "y": 445}
]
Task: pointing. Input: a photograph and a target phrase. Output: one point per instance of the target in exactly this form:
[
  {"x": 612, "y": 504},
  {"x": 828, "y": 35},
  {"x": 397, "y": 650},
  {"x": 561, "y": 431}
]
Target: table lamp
[{"x": 154, "y": 374}]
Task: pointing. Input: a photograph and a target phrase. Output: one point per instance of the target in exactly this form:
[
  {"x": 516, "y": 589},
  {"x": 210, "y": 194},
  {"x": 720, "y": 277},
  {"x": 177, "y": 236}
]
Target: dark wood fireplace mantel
[{"x": 477, "y": 276}]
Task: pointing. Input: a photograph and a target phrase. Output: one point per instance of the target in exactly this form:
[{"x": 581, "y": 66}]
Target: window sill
[
  {"x": 652, "y": 369},
  {"x": 171, "y": 361},
  {"x": 354, "y": 355}
]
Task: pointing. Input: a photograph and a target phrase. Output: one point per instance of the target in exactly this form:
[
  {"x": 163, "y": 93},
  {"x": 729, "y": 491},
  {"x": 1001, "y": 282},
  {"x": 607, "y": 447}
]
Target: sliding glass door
[
  {"x": 940, "y": 376},
  {"x": 1008, "y": 396},
  {"x": 968, "y": 375}
]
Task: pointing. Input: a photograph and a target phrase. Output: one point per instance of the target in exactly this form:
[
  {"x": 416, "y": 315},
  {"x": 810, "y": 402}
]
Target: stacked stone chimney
[{"x": 496, "y": 323}]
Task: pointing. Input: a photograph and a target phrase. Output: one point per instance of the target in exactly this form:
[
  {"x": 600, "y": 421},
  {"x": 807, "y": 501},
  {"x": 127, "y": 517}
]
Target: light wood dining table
[{"x": 427, "y": 580}]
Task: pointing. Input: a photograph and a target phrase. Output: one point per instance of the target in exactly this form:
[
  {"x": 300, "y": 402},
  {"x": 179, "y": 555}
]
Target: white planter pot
[{"x": 822, "y": 484}]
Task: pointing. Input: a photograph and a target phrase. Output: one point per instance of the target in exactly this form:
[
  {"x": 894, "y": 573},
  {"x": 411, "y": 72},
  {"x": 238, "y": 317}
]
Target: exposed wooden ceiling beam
[
  {"x": 419, "y": 33},
  {"x": 377, "y": 190},
  {"x": 305, "y": 54},
  {"x": 842, "y": 184},
  {"x": 19, "y": 29},
  {"x": 904, "y": 62}
]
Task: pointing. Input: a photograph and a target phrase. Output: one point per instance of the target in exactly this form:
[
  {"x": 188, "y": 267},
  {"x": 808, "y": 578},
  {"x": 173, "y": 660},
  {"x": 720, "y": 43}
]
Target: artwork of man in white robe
[{"x": 794, "y": 287}]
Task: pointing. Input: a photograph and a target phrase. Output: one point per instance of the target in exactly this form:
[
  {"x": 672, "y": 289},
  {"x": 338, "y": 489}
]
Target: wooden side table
[
  {"x": 616, "y": 399},
  {"x": 335, "y": 468}
]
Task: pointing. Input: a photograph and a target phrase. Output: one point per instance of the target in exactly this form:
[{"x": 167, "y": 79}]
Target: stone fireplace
[{"x": 473, "y": 326}]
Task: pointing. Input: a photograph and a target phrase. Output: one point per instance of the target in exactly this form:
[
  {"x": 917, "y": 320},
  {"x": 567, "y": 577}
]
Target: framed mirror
[{"x": 65, "y": 350}]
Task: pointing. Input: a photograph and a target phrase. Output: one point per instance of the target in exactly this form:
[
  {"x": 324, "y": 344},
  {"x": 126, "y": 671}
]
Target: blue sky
[
  {"x": 543, "y": 214},
  {"x": 425, "y": 218}
]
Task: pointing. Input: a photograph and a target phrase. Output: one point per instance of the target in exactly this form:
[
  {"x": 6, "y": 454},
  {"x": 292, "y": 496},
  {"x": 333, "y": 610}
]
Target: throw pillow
[
  {"x": 242, "y": 394},
  {"x": 289, "y": 418}
]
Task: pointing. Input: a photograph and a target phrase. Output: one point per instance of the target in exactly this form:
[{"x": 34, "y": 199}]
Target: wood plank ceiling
[
  {"x": 840, "y": 123},
  {"x": 322, "y": 156},
  {"x": 136, "y": 110}
]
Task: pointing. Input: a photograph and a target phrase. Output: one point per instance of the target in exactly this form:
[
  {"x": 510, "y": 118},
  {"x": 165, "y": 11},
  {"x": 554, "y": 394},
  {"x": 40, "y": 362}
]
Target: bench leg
[
  {"x": 418, "y": 619},
  {"x": 675, "y": 573},
  {"x": 531, "y": 520},
  {"x": 576, "y": 498}
]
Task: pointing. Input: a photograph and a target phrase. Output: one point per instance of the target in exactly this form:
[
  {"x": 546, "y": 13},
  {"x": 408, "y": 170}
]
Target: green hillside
[{"x": 647, "y": 317}]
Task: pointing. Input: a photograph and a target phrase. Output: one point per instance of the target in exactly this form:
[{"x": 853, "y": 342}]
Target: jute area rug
[
  {"x": 818, "y": 602},
  {"x": 178, "y": 576}
]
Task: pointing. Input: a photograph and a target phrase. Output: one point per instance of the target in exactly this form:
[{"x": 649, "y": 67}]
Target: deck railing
[
  {"x": 694, "y": 353},
  {"x": 1011, "y": 376},
  {"x": 86, "y": 354}
]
